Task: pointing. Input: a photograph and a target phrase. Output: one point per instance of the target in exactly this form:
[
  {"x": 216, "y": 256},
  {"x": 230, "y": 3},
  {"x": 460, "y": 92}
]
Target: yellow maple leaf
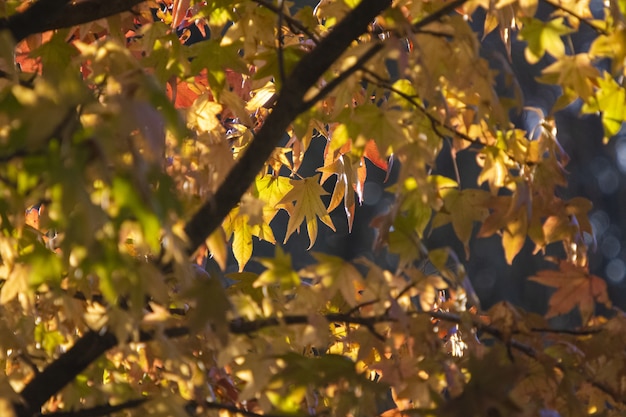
[
  {"x": 462, "y": 209},
  {"x": 242, "y": 227},
  {"x": 279, "y": 271},
  {"x": 543, "y": 37},
  {"x": 308, "y": 205},
  {"x": 575, "y": 72}
]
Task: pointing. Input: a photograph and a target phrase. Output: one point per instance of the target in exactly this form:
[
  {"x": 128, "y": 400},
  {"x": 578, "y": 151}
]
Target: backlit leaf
[
  {"x": 543, "y": 37},
  {"x": 575, "y": 287},
  {"x": 308, "y": 206}
]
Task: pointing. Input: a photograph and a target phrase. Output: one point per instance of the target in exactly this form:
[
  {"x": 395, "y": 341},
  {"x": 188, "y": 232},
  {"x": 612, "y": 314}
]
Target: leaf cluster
[{"x": 132, "y": 160}]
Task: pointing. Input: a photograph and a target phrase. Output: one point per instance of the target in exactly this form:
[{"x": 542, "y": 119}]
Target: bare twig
[
  {"x": 581, "y": 19},
  {"x": 46, "y": 15},
  {"x": 281, "y": 41},
  {"x": 433, "y": 17},
  {"x": 573, "y": 332},
  {"x": 289, "y": 104},
  {"x": 100, "y": 410},
  {"x": 361, "y": 305},
  {"x": 295, "y": 25},
  {"x": 358, "y": 65}
]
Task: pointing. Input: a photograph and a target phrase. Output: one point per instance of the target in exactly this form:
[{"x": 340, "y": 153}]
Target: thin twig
[
  {"x": 436, "y": 123},
  {"x": 281, "y": 40},
  {"x": 455, "y": 164},
  {"x": 363, "y": 304},
  {"x": 581, "y": 19},
  {"x": 293, "y": 23},
  {"x": 573, "y": 332},
  {"x": 99, "y": 410},
  {"x": 433, "y": 17},
  {"x": 237, "y": 410},
  {"x": 358, "y": 65}
]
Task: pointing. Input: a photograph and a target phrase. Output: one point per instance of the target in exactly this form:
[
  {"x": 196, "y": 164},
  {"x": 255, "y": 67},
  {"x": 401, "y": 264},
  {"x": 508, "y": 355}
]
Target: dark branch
[
  {"x": 46, "y": 15},
  {"x": 294, "y": 24},
  {"x": 100, "y": 410},
  {"x": 597, "y": 29},
  {"x": 290, "y": 103},
  {"x": 328, "y": 88},
  {"x": 63, "y": 370},
  {"x": 433, "y": 17}
]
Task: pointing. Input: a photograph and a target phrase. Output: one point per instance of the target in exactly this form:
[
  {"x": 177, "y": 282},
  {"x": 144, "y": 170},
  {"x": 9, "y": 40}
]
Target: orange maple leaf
[{"x": 576, "y": 287}]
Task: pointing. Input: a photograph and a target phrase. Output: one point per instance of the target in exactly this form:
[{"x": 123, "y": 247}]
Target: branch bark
[
  {"x": 100, "y": 410},
  {"x": 46, "y": 15},
  {"x": 289, "y": 104}
]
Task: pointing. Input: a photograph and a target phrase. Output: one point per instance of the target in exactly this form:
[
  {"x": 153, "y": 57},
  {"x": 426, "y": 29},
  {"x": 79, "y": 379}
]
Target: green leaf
[
  {"x": 279, "y": 271},
  {"x": 543, "y": 37},
  {"x": 610, "y": 100}
]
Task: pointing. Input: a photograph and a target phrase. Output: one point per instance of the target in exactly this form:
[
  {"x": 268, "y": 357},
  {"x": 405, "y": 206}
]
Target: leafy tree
[{"x": 129, "y": 154}]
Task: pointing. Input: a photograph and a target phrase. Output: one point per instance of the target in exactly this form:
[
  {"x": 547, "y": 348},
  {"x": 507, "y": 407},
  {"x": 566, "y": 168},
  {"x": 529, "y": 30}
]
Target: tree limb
[
  {"x": 46, "y": 15},
  {"x": 289, "y": 105},
  {"x": 63, "y": 370},
  {"x": 99, "y": 410}
]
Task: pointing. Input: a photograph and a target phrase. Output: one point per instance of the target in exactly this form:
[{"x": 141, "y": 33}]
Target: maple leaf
[
  {"x": 610, "y": 99},
  {"x": 308, "y": 205},
  {"x": 495, "y": 171},
  {"x": 543, "y": 37},
  {"x": 347, "y": 184},
  {"x": 463, "y": 208},
  {"x": 279, "y": 271},
  {"x": 242, "y": 227},
  {"x": 576, "y": 287},
  {"x": 575, "y": 73},
  {"x": 612, "y": 46},
  {"x": 335, "y": 274},
  {"x": 271, "y": 190}
]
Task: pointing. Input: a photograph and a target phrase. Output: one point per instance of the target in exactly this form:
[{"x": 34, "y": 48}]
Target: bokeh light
[{"x": 615, "y": 270}]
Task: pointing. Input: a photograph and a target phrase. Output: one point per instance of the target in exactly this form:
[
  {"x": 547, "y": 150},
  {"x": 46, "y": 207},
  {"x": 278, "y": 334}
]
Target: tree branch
[
  {"x": 46, "y": 15},
  {"x": 294, "y": 24},
  {"x": 289, "y": 105},
  {"x": 558, "y": 6},
  {"x": 369, "y": 54},
  {"x": 433, "y": 17},
  {"x": 100, "y": 410},
  {"x": 63, "y": 370}
]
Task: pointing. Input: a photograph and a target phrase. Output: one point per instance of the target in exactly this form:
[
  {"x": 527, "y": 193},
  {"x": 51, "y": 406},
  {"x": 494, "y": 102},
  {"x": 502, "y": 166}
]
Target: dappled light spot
[
  {"x": 608, "y": 181},
  {"x": 615, "y": 270},
  {"x": 610, "y": 247},
  {"x": 620, "y": 152},
  {"x": 605, "y": 174},
  {"x": 600, "y": 222}
]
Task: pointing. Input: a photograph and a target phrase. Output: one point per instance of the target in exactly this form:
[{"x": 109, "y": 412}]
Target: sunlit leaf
[
  {"x": 279, "y": 271},
  {"x": 575, "y": 287},
  {"x": 308, "y": 206},
  {"x": 543, "y": 37}
]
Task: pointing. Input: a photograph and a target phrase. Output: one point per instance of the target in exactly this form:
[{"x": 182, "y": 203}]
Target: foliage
[{"x": 129, "y": 154}]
